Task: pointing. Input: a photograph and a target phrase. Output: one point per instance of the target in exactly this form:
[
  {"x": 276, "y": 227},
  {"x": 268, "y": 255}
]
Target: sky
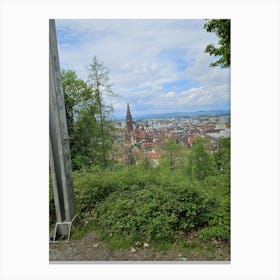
[{"x": 157, "y": 66}]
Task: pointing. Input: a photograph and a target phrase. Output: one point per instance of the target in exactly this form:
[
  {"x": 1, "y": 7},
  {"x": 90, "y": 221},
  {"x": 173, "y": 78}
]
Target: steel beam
[{"x": 60, "y": 160}]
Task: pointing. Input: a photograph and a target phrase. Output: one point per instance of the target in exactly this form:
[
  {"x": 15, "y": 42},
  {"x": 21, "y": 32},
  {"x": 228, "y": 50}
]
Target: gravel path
[{"x": 90, "y": 248}]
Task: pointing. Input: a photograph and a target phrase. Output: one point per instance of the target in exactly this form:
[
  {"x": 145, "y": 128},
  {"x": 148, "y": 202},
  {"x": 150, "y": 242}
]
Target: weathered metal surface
[{"x": 60, "y": 161}]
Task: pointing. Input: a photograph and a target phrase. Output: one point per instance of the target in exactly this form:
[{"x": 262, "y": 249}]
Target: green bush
[
  {"x": 152, "y": 213},
  {"x": 217, "y": 188},
  {"x": 94, "y": 186},
  {"x": 151, "y": 205},
  {"x": 215, "y": 232}
]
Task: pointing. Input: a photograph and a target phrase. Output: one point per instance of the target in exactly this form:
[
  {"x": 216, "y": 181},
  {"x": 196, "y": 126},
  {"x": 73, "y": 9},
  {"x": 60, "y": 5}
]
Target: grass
[
  {"x": 191, "y": 249},
  {"x": 185, "y": 248},
  {"x": 81, "y": 230}
]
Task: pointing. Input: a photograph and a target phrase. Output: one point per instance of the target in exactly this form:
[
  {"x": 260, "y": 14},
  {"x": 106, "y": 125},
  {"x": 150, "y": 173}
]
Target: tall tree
[
  {"x": 82, "y": 125},
  {"x": 199, "y": 161},
  {"x": 77, "y": 96},
  {"x": 98, "y": 81},
  {"x": 173, "y": 154},
  {"x": 222, "y": 29},
  {"x": 86, "y": 146},
  {"x": 222, "y": 156}
]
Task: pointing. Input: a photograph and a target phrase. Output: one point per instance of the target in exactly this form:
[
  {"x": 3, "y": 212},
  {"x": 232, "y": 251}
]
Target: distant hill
[
  {"x": 177, "y": 115},
  {"x": 184, "y": 114}
]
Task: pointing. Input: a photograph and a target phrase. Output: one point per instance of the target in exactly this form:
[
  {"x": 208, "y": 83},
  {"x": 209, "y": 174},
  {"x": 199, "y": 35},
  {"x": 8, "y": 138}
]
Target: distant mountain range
[
  {"x": 184, "y": 114},
  {"x": 180, "y": 114}
]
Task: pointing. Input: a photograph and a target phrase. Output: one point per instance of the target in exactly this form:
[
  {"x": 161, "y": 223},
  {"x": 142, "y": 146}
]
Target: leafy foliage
[
  {"x": 174, "y": 155},
  {"x": 147, "y": 203},
  {"x": 199, "y": 161},
  {"x": 218, "y": 188},
  {"x": 222, "y": 29},
  {"x": 77, "y": 97},
  {"x": 222, "y": 156},
  {"x": 134, "y": 202},
  {"x": 90, "y": 131},
  {"x": 98, "y": 81},
  {"x": 152, "y": 213}
]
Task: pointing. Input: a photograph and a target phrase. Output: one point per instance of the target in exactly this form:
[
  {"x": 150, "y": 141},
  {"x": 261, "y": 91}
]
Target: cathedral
[{"x": 133, "y": 134}]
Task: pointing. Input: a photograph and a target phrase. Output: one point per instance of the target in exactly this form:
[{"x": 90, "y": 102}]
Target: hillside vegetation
[{"x": 157, "y": 204}]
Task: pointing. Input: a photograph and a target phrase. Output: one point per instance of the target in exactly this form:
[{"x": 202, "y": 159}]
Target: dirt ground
[{"x": 90, "y": 248}]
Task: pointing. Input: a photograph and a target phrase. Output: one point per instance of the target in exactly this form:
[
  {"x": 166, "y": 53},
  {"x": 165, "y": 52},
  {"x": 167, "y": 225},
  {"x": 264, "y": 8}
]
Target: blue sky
[{"x": 158, "y": 66}]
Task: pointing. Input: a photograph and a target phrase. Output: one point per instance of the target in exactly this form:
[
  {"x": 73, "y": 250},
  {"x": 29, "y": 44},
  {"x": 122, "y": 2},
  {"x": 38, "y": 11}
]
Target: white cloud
[
  {"x": 143, "y": 54},
  {"x": 170, "y": 94}
]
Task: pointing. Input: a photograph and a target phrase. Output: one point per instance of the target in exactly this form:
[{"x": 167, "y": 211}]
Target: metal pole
[{"x": 60, "y": 160}]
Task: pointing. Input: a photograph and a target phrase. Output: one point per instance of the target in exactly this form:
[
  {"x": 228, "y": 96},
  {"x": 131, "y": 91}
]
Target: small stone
[
  {"x": 146, "y": 245},
  {"x": 86, "y": 222},
  {"x": 138, "y": 243},
  {"x": 183, "y": 259},
  {"x": 96, "y": 245},
  {"x": 132, "y": 250}
]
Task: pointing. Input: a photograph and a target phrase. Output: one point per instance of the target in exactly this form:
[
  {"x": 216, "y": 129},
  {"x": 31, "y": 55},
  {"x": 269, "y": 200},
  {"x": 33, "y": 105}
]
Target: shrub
[
  {"x": 215, "y": 232},
  {"x": 149, "y": 205},
  {"x": 217, "y": 188},
  {"x": 199, "y": 161},
  {"x": 152, "y": 213}
]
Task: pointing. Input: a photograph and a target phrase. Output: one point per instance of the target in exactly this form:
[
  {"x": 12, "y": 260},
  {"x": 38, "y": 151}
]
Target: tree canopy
[
  {"x": 221, "y": 27},
  {"x": 199, "y": 161},
  {"x": 98, "y": 81},
  {"x": 90, "y": 130}
]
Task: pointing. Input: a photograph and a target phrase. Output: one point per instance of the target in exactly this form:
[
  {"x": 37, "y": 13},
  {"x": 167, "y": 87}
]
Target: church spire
[{"x": 129, "y": 121}]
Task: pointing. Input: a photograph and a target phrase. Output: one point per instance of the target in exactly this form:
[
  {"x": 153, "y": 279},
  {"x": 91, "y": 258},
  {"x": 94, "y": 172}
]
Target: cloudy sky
[{"x": 157, "y": 66}]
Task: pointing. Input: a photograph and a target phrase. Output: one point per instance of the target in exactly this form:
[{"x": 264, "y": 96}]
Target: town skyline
[
  {"x": 146, "y": 138},
  {"x": 175, "y": 114}
]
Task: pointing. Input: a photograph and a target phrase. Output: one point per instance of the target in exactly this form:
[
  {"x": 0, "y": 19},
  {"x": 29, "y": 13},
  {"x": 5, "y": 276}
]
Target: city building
[{"x": 135, "y": 134}]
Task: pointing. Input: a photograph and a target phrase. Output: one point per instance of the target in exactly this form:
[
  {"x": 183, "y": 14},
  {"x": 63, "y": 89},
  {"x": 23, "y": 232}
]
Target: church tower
[
  {"x": 130, "y": 136},
  {"x": 129, "y": 121}
]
